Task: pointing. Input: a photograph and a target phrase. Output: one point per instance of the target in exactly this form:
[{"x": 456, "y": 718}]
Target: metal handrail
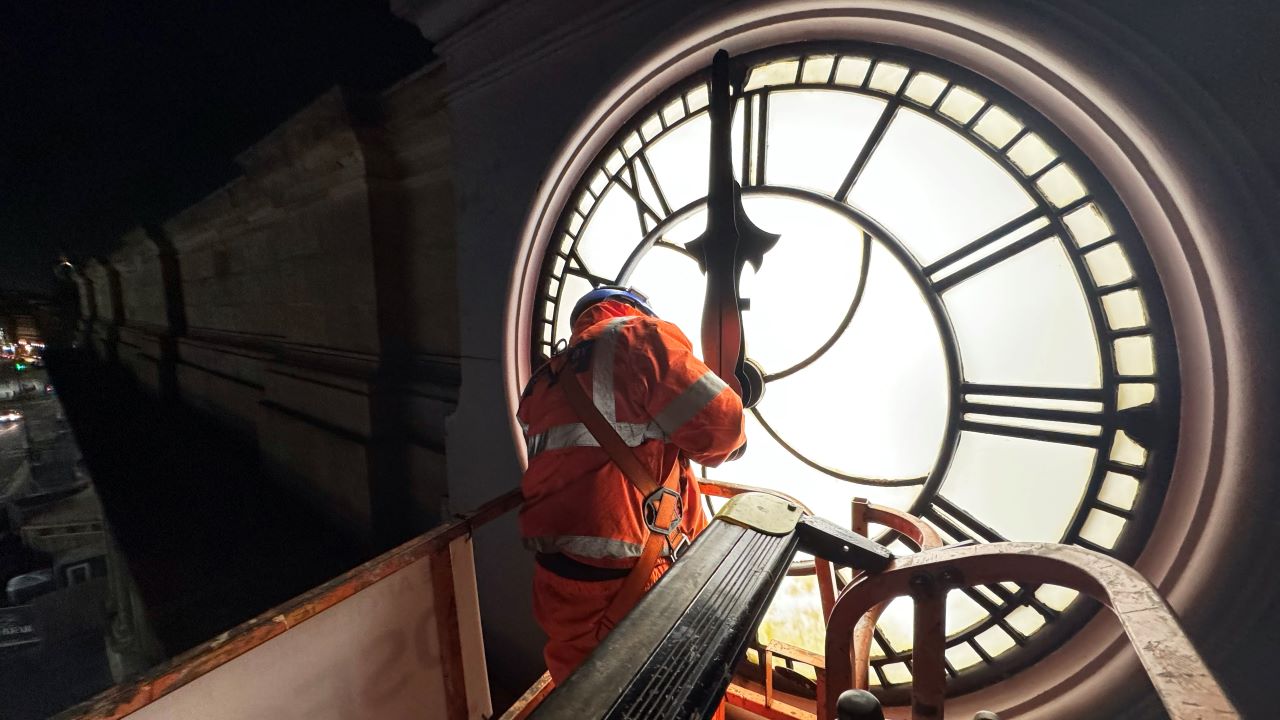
[
  {"x": 1181, "y": 679},
  {"x": 864, "y": 514},
  {"x": 913, "y": 528}
]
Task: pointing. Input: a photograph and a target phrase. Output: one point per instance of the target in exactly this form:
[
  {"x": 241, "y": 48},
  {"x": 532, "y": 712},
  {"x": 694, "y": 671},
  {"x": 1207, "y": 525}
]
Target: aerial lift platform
[
  {"x": 675, "y": 655},
  {"x": 399, "y": 637}
]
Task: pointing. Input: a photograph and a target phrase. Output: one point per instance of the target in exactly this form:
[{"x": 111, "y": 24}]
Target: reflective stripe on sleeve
[
  {"x": 570, "y": 435},
  {"x": 602, "y": 390},
  {"x": 688, "y": 403}
]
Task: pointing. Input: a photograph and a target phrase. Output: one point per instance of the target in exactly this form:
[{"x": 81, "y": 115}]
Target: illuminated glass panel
[
  {"x": 927, "y": 210},
  {"x": 814, "y": 137}
]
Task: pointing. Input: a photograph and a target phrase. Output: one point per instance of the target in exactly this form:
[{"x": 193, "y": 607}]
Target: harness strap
[{"x": 663, "y": 521}]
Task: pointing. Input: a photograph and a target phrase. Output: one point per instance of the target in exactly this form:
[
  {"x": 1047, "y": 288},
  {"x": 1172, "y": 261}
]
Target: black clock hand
[{"x": 730, "y": 241}]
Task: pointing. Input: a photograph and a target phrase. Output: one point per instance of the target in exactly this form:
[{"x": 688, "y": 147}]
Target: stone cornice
[
  {"x": 319, "y": 141},
  {"x": 317, "y": 149},
  {"x": 438, "y": 19},
  {"x": 98, "y": 269},
  {"x": 519, "y": 34},
  {"x": 134, "y": 245},
  {"x": 230, "y": 204}
]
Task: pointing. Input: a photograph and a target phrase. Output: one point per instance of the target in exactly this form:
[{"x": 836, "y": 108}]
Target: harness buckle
[
  {"x": 675, "y": 552},
  {"x": 651, "y": 505}
]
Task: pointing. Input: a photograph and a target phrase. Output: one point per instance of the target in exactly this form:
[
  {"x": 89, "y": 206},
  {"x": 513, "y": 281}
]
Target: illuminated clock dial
[{"x": 958, "y": 320}]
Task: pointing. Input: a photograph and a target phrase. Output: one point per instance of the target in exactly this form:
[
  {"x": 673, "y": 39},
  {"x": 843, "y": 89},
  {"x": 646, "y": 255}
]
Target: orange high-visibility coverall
[{"x": 665, "y": 404}]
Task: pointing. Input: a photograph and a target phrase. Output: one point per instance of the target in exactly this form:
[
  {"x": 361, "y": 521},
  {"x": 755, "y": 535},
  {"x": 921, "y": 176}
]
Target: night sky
[
  {"x": 114, "y": 114},
  {"x": 122, "y": 112}
]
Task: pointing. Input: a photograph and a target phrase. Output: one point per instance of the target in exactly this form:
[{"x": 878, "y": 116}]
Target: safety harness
[{"x": 662, "y": 509}]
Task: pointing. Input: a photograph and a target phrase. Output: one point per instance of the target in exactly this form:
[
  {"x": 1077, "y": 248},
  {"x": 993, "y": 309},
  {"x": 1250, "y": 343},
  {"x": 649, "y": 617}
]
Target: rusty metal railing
[
  {"x": 1181, "y": 679},
  {"x": 524, "y": 706},
  {"x": 201, "y": 662},
  {"x": 863, "y": 515}
]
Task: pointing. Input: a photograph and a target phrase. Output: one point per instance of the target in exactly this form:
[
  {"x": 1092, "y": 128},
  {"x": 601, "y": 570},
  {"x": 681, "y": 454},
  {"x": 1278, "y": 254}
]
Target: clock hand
[{"x": 730, "y": 241}]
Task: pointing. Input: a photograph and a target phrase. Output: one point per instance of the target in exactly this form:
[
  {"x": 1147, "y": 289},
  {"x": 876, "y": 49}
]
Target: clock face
[{"x": 959, "y": 320}]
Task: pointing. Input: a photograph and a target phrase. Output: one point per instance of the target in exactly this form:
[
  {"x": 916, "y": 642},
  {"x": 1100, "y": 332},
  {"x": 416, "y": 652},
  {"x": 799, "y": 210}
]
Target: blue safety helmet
[{"x": 630, "y": 296}]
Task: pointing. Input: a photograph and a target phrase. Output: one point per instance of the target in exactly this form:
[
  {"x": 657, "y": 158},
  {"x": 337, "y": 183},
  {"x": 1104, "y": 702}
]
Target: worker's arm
[{"x": 694, "y": 407}]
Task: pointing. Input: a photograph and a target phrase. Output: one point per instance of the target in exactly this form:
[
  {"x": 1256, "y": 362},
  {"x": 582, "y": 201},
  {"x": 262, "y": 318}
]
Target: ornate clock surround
[{"x": 913, "y": 82}]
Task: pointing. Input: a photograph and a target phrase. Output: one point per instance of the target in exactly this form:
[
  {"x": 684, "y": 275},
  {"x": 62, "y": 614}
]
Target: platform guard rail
[
  {"x": 221, "y": 677},
  {"x": 396, "y": 637}
]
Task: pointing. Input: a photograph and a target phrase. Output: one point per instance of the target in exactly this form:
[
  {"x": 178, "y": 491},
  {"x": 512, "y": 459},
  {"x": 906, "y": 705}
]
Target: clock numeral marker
[
  {"x": 762, "y": 137},
  {"x": 956, "y": 522},
  {"x": 755, "y": 145},
  {"x": 1011, "y": 238},
  {"x": 630, "y": 183},
  {"x": 1064, "y": 415},
  {"x": 646, "y": 170},
  {"x": 890, "y": 655},
  {"x": 577, "y": 267},
  {"x": 886, "y": 647},
  {"x": 1142, "y": 423},
  {"x": 868, "y": 148},
  {"x": 1065, "y": 396},
  {"x": 1026, "y": 433},
  {"x": 959, "y": 524}
]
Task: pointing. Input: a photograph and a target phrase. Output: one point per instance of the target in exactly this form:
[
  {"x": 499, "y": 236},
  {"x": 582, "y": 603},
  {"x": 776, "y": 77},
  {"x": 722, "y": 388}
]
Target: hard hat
[{"x": 630, "y": 296}]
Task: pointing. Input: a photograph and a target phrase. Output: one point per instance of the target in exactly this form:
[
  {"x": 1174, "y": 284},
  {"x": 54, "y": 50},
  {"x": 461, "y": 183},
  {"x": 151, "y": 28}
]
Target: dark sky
[{"x": 118, "y": 113}]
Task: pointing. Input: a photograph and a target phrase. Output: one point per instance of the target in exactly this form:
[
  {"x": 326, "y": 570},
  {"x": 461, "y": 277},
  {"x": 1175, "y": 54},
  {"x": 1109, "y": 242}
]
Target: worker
[{"x": 585, "y": 515}]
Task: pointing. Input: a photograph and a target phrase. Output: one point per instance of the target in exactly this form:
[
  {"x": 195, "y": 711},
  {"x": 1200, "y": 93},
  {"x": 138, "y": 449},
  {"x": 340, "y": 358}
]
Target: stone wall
[
  {"x": 141, "y": 284},
  {"x": 88, "y": 306},
  {"x": 311, "y": 304},
  {"x": 105, "y": 324},
  {"x": 145, "y": 343}
]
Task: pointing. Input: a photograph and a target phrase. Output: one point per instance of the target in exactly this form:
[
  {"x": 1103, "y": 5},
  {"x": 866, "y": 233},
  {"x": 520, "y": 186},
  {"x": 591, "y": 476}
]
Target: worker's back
[{"x": 581, "y": 512}]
